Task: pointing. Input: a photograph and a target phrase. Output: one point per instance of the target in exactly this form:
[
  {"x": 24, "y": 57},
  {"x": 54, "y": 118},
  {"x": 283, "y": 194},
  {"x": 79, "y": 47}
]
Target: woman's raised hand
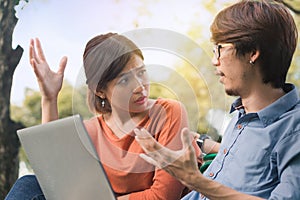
[{"x": 50, "y": 82}]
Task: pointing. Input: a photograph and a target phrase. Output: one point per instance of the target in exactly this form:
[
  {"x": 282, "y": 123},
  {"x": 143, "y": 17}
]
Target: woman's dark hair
[
  {"x": 104, "y": 58},
  {"x": 263, "y": 25}
]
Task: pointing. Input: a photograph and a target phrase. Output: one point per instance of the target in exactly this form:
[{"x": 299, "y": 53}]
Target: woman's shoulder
[
  {"x": 91, "y": 121},
  {"x": 170, "y": 106},
  {"x": 169, "y": 103},
  {"x": 92, "y": 125}
]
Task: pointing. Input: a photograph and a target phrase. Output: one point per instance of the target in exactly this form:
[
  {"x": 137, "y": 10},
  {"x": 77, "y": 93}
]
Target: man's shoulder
[
  {"x": 294, "y": 112},
  {"x": 291, "y": 119}
]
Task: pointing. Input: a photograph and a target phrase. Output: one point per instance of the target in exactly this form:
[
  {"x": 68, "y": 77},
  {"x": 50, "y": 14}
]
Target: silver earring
[
  {"x": 102, "y": 103},
  {"x": 251, "y": 62}
]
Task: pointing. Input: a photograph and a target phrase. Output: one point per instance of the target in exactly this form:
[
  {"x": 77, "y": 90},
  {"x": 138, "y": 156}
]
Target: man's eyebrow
[{"x": 126, "y": 73}]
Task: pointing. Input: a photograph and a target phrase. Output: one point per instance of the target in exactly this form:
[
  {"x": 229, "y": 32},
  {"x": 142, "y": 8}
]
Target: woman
[{"x": 118, "y": 94}]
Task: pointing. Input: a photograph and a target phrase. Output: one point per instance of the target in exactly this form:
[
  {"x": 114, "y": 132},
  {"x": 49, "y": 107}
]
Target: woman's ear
[{"x": 100, "y": 94}]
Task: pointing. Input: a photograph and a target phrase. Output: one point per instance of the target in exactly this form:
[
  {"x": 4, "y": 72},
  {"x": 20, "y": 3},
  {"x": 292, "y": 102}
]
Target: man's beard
[{"x": 232, "y": 92}]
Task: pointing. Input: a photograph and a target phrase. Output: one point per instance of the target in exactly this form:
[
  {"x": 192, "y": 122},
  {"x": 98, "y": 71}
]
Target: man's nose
[{"x": 215, "y": 61}]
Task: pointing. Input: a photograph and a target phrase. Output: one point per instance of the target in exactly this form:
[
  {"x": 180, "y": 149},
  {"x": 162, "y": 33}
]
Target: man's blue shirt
[{"x": 260, "y": 152}]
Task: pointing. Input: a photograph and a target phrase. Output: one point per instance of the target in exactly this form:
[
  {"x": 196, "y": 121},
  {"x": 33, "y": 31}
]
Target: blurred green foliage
[
  {"x": 199, "y": 90},
  {"x": 29, "y": 113}
]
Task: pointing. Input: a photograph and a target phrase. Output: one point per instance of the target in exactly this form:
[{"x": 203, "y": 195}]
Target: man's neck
[{"x": 260, "y": 98}]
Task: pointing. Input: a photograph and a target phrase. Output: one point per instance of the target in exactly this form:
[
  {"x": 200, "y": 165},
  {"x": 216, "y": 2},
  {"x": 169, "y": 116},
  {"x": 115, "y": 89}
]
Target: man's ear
[{"x": 254, "y": 55}]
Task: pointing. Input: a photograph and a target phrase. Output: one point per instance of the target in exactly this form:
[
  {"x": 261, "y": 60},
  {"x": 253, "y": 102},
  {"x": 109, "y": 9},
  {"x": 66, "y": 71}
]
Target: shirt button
[
  {"x": 225, "y": 151},
  {"x": 211, "y": 174},
  {"x": 239, "y": 126}
]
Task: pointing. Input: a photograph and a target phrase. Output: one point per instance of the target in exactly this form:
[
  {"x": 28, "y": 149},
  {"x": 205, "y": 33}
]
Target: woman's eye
[
  {"x": 123, "y": 81},
  {"x": 142, "y": 72}
]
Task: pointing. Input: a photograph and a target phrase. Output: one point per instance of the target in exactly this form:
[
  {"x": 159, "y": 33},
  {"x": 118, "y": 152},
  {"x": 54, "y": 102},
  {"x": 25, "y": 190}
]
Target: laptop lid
[{"x": 64, "y": 160}]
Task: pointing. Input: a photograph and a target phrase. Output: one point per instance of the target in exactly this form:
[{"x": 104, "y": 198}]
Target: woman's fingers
[
  {"x": 41, "y": 56},
  {"x": 62, "y": 65},
  {"x": 35, "y": 69},
  {"x": 38, "y": 59},
  {"x": 32, "y": 54},
  {"x": 36, "y": 51}
]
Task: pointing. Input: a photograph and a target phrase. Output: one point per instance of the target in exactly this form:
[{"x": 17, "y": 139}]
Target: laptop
[{"x": 64, "y": 161}]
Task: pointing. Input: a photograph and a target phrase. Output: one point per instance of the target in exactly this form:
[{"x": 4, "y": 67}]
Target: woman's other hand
[{"x": 50, "y": 82}]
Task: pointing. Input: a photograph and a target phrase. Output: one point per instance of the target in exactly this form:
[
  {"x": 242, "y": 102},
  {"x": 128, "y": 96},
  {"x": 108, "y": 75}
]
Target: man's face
[{"x": 236, "y": 74}]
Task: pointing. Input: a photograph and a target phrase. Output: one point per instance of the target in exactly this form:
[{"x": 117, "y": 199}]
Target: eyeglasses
[{"x": 217, "y": 48}]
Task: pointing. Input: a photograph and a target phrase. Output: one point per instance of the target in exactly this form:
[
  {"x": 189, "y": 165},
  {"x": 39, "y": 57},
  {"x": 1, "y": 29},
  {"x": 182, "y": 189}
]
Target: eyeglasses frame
[{"x": 217, "y": 48}]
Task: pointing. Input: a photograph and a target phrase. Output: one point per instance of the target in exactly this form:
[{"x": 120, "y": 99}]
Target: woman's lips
[{"x": 141, "y": 100}]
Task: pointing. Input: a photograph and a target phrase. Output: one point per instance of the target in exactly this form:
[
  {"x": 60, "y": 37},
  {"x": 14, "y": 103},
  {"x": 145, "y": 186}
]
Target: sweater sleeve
[{"x": 164, "y": 187}]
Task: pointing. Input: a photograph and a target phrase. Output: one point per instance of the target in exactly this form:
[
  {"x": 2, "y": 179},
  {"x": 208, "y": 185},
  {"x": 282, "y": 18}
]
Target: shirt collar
[
  {"x": 237, "y": 105},
  {"x": 272, "y": 112}
]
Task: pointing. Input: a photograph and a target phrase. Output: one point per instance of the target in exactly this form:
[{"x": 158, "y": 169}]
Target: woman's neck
[{"x": 123, "y": 122}]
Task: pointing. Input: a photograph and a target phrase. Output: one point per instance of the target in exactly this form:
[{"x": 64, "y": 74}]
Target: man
[{"x": 259, "y": 157}]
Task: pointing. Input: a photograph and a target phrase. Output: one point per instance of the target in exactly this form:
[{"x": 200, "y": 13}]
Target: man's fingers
[
  {"x": 142, "y": 133},
  {"x": 142, "y": 138},
  {"x": 149, "y": 160},
  {"x": 188, "y": 148},
  {"x": 195, "y": 135},
  {"x": 147, "y": 142},
  {"x": 186, "y": 138}
]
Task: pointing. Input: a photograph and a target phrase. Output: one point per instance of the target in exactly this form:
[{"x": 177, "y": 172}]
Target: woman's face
[{"x": 129, "y": 91}]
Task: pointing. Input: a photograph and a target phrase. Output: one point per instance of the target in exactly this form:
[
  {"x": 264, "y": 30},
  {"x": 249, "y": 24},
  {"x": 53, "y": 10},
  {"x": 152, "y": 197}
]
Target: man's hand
[{"x": 181, "y": 164}]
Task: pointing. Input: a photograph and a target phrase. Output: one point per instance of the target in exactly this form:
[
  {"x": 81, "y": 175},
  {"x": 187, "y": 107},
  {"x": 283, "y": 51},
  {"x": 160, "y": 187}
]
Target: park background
[{"x": 64, "y": 27}]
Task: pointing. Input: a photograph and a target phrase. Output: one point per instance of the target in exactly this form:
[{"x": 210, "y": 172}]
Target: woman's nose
[{"x": 139, "y": 86}]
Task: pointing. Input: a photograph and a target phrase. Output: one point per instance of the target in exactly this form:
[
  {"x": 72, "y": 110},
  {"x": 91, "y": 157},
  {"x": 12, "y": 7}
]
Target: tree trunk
[{"x": 9, "y": 59}]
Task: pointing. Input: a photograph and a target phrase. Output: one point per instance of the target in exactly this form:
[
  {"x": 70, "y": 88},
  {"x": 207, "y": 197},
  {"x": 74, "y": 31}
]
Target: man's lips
[{"x": 219, "y": 73}]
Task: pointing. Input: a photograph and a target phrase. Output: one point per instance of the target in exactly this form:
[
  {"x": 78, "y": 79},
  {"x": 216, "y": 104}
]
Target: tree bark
[{"x": 9, "y": 59}]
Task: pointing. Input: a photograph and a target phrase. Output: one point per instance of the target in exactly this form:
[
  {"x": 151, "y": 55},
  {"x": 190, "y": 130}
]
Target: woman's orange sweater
[{"x": 127, "y": 172}]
